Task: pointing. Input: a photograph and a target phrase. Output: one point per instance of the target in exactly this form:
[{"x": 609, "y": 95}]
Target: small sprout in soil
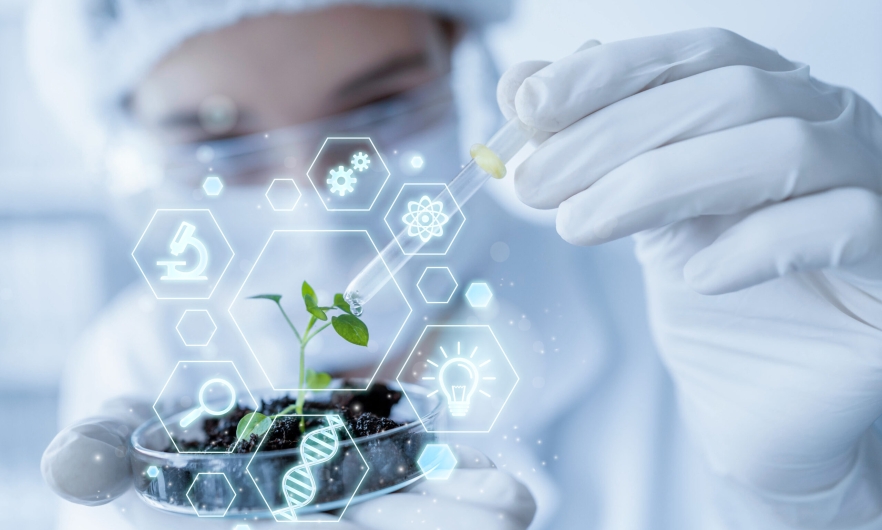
[{"x": 346, "y": 324}]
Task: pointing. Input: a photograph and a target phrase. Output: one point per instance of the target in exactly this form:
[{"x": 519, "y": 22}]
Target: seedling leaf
[
  {"x": 351, "y": 328},
  {"x": 341, "y": 303},
  {"x": 317, "y": 380},
  {"x": 251, "y": 423},
  {"x": 311, "y": 301},
  {"x": 274, "y": 297}
]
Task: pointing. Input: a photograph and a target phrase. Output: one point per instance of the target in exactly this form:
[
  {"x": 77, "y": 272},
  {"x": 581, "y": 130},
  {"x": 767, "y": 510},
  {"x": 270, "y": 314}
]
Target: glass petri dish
[{"x": 163, "y": 479}]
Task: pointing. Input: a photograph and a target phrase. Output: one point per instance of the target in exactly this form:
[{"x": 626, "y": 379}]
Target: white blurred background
[{"x": 61, "y": 259}]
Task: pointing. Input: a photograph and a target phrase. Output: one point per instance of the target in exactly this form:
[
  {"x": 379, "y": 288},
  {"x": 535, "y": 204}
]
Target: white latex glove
[
  {"x": 87, "y": 464},
  {"x": 753, "y": 193}
]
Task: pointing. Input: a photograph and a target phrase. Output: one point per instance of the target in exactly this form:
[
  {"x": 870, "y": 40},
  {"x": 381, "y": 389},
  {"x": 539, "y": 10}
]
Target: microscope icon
[{"x": 184, "y": 238}]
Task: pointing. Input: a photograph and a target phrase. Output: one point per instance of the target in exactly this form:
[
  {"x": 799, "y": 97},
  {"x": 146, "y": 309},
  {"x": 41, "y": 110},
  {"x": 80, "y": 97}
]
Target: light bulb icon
[{"x": 458, "y": 378}]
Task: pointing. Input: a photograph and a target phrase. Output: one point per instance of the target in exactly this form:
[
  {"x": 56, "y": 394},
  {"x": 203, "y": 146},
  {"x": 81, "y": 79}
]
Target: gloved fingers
[
  {"x": 579, "y": 155},
  {"x": 509, "y": 83},
  {"x": 87, "y": 463},
  {"x": 470, "y": 458},
  {"x": 577, "y": 85},
  {"x": 836, "y": 228},
  {"x": 488, "y": 488},
  {"x": 503, "y": 505},
  {"x": 512, "y": 79},
  {"x": 727, "y": 172}
]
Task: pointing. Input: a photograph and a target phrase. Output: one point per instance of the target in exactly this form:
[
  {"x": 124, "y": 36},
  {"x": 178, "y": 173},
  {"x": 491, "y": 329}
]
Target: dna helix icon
[{"x": 298, "y": 484}]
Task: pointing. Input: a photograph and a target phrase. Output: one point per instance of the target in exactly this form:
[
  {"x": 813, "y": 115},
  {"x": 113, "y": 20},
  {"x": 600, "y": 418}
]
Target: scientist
[{"x": 751, "y": 190}]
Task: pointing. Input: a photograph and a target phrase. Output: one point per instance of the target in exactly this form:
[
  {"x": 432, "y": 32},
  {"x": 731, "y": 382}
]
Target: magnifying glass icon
[{"x": 194, "y": 415}]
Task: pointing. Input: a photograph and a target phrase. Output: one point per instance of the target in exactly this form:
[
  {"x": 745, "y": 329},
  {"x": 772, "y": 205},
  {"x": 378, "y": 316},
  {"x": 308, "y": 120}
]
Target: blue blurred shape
[
  {"x": 437, "y": 462},
  {"x": 479, "y": 294},
  {"x": 212, "y": 186},
  {"x": 152, "y": 471}
]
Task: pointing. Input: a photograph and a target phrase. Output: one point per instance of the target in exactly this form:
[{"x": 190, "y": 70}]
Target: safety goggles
[{"x": 253, "y": 159}]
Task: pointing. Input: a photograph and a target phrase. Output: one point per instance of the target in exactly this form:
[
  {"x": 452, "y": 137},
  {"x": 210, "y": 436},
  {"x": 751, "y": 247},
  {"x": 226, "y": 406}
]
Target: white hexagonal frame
[
  {"x": 197, "y": 480},
  {"x": 178, "y": 326},
  {"x": 452, "y": 292},
  {"x": 504, "y": 355},
  {"x": 213, "y": 178},
  {"x": 367, "y": 467},
  {"x": 219, "y": 278},
  {"x": 391, "y": 344},
  {"x": 395, "y": 234},
  {"x": 469, "y": 298},
  {"x": 319, "y": 193},
  {"x": 296, "y": 201},
  {"x": 431, "y": 473},
  {"x": 162, "y": 422}
]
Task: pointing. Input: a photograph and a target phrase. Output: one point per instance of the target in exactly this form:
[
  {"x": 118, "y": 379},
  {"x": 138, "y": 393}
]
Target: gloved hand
[
  {"x": 87, "y": 464},
  {"x": 752, "y": 190}
]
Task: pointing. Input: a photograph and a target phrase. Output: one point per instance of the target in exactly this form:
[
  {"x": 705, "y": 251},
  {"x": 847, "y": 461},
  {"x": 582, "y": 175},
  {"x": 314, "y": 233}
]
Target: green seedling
[{"x": 347, "y": 325}]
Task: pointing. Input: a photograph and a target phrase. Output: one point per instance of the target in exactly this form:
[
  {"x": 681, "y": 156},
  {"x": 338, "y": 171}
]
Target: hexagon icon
[
  {"x": 437, "y": 285},
  {"x": 468, "y": 367},
  {"x": 328, "y": 260},
  {"x": 197, "y": 391},
  {"x": 196, "y": 327},
  {"x": 182, "y": 254},
  {"x": 325, "y": 474},
  {"x": 424, "y": 219},
  {"x": 437, "y": 461},
  {"x": 479, "y": 294},
  {"x": 348, "y": 174},
  {"x": 211, "y": 494},
  {"x": 212, "y": 186},
  {"x": 283, "y": 195}
]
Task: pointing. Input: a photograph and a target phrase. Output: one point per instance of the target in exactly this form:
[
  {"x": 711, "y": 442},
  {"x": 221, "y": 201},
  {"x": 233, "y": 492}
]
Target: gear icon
[
  {"x": 341, "y": 181},
  {"x": 360, "y": 161}
]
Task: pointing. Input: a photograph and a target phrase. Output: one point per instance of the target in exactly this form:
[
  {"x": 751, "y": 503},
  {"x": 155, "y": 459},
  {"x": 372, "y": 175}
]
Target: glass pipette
[{"x": 487, "y": 161}]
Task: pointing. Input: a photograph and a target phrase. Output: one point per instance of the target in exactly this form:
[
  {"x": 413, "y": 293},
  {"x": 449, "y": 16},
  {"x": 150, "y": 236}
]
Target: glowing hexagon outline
[
  {"x": 395, "y": 234},
  {"x": 273, "y": 206},
  {"x": 162, "y": 422},
  {"x": 355, "y": 445},
  {"x": 455, "y": 285},
  {"x": 379, "y": 191},
  {"x": 504, "y": 355},
  {"x": 469, "y": 288},
  {"x": 391, "y": 276},
  {"x": 427, "y": 473},
  {"x": 195, "y": 480},
  {"x": 219, "y": 190},
  {"x": 219, "y": 278},
  {"x": 178, "y": 325}
]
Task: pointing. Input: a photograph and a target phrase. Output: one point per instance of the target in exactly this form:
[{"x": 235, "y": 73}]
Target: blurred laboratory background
[{"x": 62, "y": 259}]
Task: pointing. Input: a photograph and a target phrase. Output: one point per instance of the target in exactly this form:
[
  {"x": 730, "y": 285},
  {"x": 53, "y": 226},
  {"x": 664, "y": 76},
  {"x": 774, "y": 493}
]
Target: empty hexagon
[
  {"x": 325, "y": 474},
  {"x": 437, "y": 285},
  {"x": 416, "y": 161},
  {"x": 348, "y": 174},
  {"x": 212, "y": 185},
  {"x": 211, "y": 494},
  {"x": 479, "y": 294},
  {"x": 468, "y": 367},
  {"x": 182, "y": 254},
  {"x": 196, "y": 327},
  {"x": 328, "y": 260},
  {"x": 437, "y": 461},
  {"x": 424, "y": 219},
  {"x": 283, "y": 195},
  {"x": 197, "y": 391}
]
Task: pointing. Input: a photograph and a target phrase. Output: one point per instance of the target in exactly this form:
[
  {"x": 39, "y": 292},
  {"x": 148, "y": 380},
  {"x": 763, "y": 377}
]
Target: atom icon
[{"x": 425, "y": 219}]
